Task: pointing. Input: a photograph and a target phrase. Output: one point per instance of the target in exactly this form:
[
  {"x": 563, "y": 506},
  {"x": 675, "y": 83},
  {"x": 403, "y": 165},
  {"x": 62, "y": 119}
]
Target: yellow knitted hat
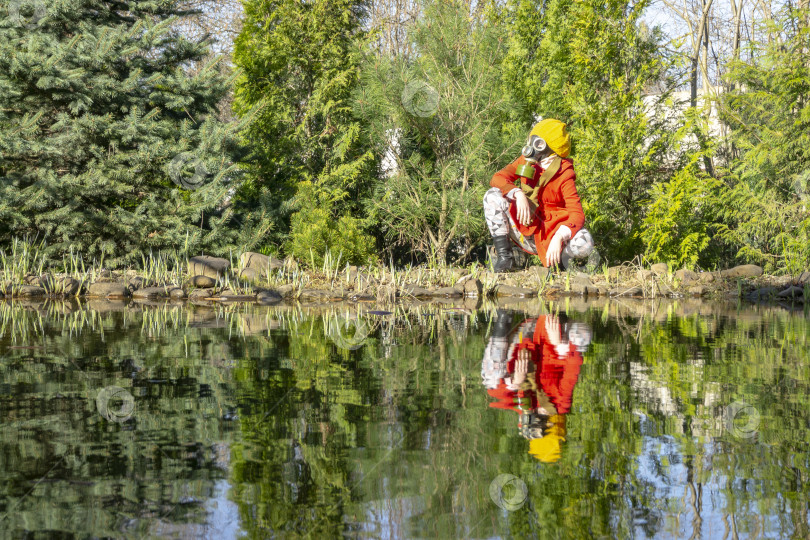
[
  {"x": 555, "y": 134},
  {"x": 549, "y": 447}
]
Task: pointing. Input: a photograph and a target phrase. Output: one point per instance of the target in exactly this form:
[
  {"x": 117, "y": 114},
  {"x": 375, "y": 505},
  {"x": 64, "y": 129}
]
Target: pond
[{"x": 572, "y": 419}]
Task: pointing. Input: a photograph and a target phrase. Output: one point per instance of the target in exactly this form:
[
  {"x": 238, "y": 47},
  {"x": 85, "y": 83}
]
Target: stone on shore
[
  {"x": 249, "y": 274},
  {"x": 660, "y": 269},
  {"x": 108, "y": 290},
  {"x": 203, "y": 282},
  {"x": 206, "y": 265},
  {"x": 177, "y": 293},
  {"x": 507, "y": 290},
  {"x": 30, "y": 291},
  {"x": 200, "y": 294},
  {"x": 153, "y": 293},
  {"x": 448, "y": 292},
  {"x": 792, "y": 292},
  {"x": 686, "y": 276},
  {"x": 469, "y": 286},
  {"x": 698, "y": 290},
  {"x": 627, "y": 291},
  {"x": 269, "y": 297},
  {"x": 259, "y": 263},
  {"x": 763, "y": 293},
  {"x": 742, "y": 271},
  {"x": 415, "y": 290}
]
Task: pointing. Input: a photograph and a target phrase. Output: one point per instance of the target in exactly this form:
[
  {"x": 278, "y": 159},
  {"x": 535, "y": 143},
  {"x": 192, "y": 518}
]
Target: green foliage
[
  {"x": 588, "y": 64},
  {"x": 99, "y": 111},
  {"x": 437, "y": 118},
  {"x": 676, "y": 227},
  {"x": 766, "y": 212},
  {"x": 300, "y": 61},
  {"x": 315, "y": 233}
]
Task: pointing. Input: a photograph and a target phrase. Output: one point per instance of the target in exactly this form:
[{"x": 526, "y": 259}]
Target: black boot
[
  {"x": 503, "y": 252},
  {"x": 502, "y": 324}
]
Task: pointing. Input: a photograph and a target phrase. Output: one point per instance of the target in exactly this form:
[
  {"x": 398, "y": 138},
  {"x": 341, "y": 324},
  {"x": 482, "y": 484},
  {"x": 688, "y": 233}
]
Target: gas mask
[{"x": 536, "y": 150}]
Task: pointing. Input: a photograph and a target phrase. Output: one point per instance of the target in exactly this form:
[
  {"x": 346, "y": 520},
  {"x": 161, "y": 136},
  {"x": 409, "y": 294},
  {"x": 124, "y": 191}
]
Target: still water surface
[{"x": 541, "y": 420}]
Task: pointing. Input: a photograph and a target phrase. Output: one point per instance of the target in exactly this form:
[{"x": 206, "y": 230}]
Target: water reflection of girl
[{"x": 532, "y": 370}]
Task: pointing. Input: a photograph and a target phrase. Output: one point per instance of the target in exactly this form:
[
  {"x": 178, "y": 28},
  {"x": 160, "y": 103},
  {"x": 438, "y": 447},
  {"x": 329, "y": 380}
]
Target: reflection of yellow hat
[
  {"x": 555, "y": 134},
  {"x": 547, "y": 448}
]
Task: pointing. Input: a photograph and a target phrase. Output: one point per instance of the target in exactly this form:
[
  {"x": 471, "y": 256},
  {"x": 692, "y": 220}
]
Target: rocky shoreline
[{"x": 266, "y": 280}]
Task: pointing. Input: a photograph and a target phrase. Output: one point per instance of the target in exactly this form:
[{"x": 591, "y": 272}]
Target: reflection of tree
[
  {"x": 64, "y": 468},
  {"x": 396, "y": 438}
]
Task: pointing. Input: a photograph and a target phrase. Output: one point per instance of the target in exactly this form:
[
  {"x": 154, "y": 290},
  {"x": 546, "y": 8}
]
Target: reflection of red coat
[
  {"x": 559, "y": 203},
  {"x": 556, "y": 375}
]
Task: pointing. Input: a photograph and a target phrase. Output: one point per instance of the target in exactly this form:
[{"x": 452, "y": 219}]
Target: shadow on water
[{"x": 440, "y": 420}]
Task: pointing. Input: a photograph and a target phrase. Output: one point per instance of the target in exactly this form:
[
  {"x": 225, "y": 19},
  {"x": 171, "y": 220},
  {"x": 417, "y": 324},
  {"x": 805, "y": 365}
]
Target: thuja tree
[
  {"x": 438, "y": 121},
  {"x": 110, "y": 142},
  {"x": 766, "y": 203},
  {"x": 590, "y": 65},
  {"x": 311, "y": 166}
]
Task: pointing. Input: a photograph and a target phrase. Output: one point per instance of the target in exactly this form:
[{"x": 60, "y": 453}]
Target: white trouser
[{"x": 500, "y": 223}]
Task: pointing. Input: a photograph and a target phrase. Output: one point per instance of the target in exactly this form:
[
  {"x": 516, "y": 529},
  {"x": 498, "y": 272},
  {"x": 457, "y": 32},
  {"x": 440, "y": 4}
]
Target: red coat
[
  {"x": 556, "y": 375},
  {"x": 559, "y": 203}
]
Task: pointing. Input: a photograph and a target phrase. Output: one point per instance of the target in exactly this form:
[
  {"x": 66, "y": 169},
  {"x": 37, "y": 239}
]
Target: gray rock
[
  {"x": 622, "y": 291},
  {"x": 582, "y": 285},
  {"x": 792, "y": 292},
  {"x": 201, "y": 294},
  {"x": 803, "y": 278},
  {"x": 473, "y": 287},
  {"x": 644, "y": 275},
  {"x": 31, "y": 291},
  {"x": 205, "y": 265},
  {"x": 151, "y": 293},
  {"x": 258, "y": 262},
  {"x": 742, "y": 271},
  {"x": 508, "y": 290},
  {"x": 448, "y": 292},
  {"x": 660, "y": 269},
  {"x": 177, "y": 293},
  {"x": 311, "y": 295},
  {"x": 415, "y": 290},
  {"x": 686, "y": 276},
  {"x": 287, "y": 291},
  {"x": 139, "y": 282},
  {"x": 249, "y": 274},
  {"x": 269, "y": 297},
  {"x": 203, "y": 282},
  {"x": 108, "y": 290},
  {"x": 68, "y": 286},
  {"x": 698, "y": 290},
  {"x": 764, "y": 293},
  {"x": 706, "y": 277}
]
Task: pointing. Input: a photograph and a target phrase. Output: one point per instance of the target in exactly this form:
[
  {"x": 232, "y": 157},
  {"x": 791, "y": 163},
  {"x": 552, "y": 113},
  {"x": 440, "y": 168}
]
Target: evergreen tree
[
  {"x": 300, "y": 61},
  {"x": 765, "y": 211},
  {"x": 109, "y": 143},
  {"x": 439, "y": 119},
  {"x": 590, "y": 64}
]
